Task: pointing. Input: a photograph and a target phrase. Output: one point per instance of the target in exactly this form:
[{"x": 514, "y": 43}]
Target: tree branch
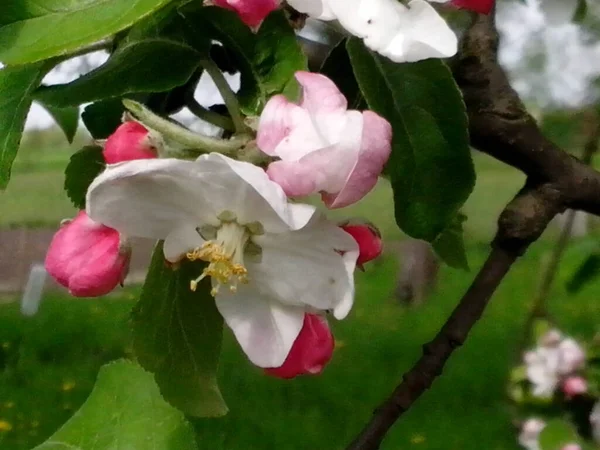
[
  {"x": 501, "y": 127},
  {"x": 436, "y": 352}
]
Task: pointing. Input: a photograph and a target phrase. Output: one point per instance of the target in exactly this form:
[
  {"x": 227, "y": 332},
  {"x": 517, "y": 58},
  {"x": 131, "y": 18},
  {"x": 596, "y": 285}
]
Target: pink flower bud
[
  {"x": 572, "y": 447},
  {"x": 128, "y": 142},
  {"x": 573, "y": 386},
  {"x": 310, "y": 352},
  {"x": 480, "y": 6},
  {"x": 368, "y": 238},
  {"x": 86, "y": 257},
  {"x": 252, "y": 12}
]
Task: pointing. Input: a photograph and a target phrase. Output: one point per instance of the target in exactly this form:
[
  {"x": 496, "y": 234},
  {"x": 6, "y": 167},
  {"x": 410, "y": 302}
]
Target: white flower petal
[
  {"x": 319, "y": 9},
  {"x": 425, "y": 34},
  {"x": 402, "y": 33},
  {"x": 149, "y": 198},
  {"x": 303, "y": 268},
  {"x": 180, "y": 241},
  {"x": 250, "y": 194},
  {"x": 264, "y": 328},
  {"x": 375, "y": 21}
]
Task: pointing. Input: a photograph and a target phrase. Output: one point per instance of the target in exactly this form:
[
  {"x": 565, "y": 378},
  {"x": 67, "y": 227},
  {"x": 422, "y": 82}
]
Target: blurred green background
[{"x": 48, "y": 363}]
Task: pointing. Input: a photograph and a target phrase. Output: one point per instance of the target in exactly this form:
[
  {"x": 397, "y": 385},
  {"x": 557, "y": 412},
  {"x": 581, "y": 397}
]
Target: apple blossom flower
[
  {"x": 571, "y": 447},
  {"x": 571, "y": 356},
  {"x": 87, "y": 257},
  {"x": 555, "y": 358},
  {"x": 270, "y": 261},
  {"x": 368, "y": 238},
  {"x": 542, "y": 370},
  {"x": 530, "y": 433},
  {"x": 573, "y": 386},
  {"x": 403, "y": 33},
  {"x": 252, "y": 12},
  {"x": 310, "y": 352},
  {"x": 323, "y": 146},
  {"x": 129, "y": 141}
]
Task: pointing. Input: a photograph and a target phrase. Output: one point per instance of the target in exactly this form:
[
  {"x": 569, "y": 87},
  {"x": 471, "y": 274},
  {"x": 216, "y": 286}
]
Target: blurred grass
[
  {"x": 35, "y": 196},
  {"x": 48, "y": 364}
]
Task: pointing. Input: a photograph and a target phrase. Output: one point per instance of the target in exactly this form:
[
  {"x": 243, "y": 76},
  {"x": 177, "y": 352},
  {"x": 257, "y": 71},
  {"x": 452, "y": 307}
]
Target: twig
[
  {"x": 188, "y": 139},
  {"x": 228, "y": 95},
  {"x": 538, "y": 309},
  {"x": 453, "y": 334},
  {"x": 207, "y": 115}
]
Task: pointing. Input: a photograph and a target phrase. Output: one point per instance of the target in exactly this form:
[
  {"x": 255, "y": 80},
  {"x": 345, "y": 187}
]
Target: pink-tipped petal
[
  {"x": 323, "y": 147},
  {"x": 252, "y": 12},
  {"x": 87, "y": 257},
  {"x": 296, "y": 179},
  {"x": 275, "y": 124},
  {"x": 128, "y": 142},
  {"x": 310, "y": 352},
  {"x": 375, "y": 149},
  {"x": 322, "y": 170},
  {"x": 320, "y": 95},
  {"x": 479, "y": 6}
]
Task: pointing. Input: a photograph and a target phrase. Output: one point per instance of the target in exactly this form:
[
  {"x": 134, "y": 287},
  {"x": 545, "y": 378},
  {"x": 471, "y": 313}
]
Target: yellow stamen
[{"x": 225, "y": 258}]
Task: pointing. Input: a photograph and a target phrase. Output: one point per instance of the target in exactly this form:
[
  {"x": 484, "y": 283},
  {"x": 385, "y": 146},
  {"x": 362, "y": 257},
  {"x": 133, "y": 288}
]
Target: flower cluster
[
  {"x": 277, "y": 267},
  {"x": 529, "y": 436},
  {"x": 403, "y": 33},
  {"x": 554, "y": 363},
  {"x": 557, "y": 377}
]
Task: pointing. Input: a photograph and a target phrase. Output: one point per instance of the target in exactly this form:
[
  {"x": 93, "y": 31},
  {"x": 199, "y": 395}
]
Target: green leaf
[
  {"x": 177, "y": 335},
  {"x": 37, "y": 32},
  {"x": 450, "y": 244},
  {"x": 588, "y": 271},
  {"x": 83, "y": 167},
  {"x": 557, "y": 434},
  {"x": 153, "y": 65},
  {"x": 66, "y": 118},
  {"x": 267, "y": 59},
  {"x": 124, "y": 411},
  {"x": 16, "y": 87},
  {"x": 430, "y": 168},
  {"x": 338, "y": 68},
  {"x": 102, "y": 118}
]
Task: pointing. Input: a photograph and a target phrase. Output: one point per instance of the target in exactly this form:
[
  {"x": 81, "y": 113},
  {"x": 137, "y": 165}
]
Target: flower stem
[
  {"x": 183, "y": 136},
  {"x": 228, "y": 95},
  {"x": 207, "y": 115}
]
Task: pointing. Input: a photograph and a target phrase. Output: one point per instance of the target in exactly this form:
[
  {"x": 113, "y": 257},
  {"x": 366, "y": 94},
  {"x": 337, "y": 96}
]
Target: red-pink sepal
[
  {"x": 368, "y": 238},
  {"x": 310, "y": 352}
]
